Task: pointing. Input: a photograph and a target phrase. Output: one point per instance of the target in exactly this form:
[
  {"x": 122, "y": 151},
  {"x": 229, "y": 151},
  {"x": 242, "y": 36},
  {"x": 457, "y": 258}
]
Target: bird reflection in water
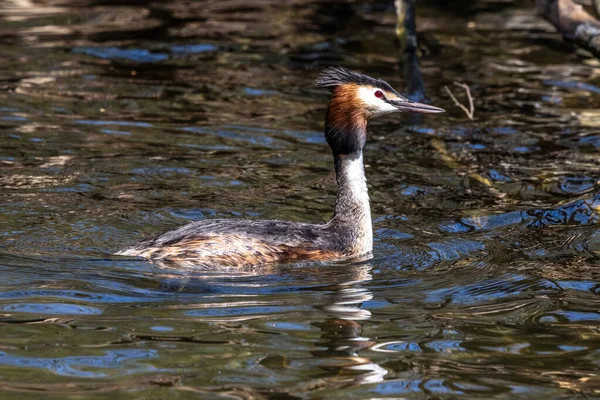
[
  {"x": 342, "y": 331},
  {"x": 341, "y": 339}
]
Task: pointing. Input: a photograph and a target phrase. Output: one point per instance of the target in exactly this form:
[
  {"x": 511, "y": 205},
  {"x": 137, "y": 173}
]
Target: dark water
[{"x": 120, "y": 119}]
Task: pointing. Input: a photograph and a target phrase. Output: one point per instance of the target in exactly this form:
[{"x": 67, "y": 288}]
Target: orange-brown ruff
[{"x": 241, "y": 243}]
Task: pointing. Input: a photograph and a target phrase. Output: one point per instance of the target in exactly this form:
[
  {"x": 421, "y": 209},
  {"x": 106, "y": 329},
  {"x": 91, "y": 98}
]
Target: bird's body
[
  {"x": 235, "y": 242},
  {"x": 250, "y": 242},
  {"x": 243, "y": 243}
]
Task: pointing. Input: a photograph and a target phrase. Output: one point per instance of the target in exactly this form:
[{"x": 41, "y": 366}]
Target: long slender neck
[
  {"x": 346, "y": 133},
  {"x": 352, "y": 206}
]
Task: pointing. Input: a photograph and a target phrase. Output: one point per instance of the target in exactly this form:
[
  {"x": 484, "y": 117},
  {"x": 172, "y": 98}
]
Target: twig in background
[{"x": 471, "y": 110}]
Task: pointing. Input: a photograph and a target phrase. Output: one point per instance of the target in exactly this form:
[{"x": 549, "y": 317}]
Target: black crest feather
[{"x": 332, "y": 77}]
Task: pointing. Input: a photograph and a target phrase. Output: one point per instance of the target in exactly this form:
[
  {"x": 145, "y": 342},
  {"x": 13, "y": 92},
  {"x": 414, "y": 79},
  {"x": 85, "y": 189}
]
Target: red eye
[{"x": 379, "y": 94}]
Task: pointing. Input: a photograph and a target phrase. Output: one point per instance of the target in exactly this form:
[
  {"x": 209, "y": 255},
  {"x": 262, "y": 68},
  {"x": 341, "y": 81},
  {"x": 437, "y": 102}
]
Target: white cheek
[{"x": 375, "y": 104}]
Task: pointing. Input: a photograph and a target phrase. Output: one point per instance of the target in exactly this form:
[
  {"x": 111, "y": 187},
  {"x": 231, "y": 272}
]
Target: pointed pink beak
[{"x": 414, "y": 107}]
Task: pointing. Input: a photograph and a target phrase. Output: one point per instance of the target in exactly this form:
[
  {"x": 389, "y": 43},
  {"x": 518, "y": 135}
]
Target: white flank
[{"x": 128, "y": 252}]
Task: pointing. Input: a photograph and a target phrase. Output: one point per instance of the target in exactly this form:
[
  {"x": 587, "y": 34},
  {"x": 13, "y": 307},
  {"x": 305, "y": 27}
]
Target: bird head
[{"x": 356, "y": 98}]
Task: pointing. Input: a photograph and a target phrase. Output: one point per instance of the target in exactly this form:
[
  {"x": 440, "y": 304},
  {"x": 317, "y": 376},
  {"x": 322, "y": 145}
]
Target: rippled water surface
[{"x": 120, "y": 119}]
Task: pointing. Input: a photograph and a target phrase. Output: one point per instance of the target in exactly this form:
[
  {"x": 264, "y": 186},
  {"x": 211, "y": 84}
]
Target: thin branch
[
  {"x": 468, "y": 90},
  {"x": 469, "y": 111}
]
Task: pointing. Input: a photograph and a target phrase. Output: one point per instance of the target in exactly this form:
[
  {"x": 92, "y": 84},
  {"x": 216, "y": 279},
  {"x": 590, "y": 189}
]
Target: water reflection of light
[
  {"x": 125, "y": 361},
  {"x": 589, "y": 118},
  {"x": 17, "y": 10}
]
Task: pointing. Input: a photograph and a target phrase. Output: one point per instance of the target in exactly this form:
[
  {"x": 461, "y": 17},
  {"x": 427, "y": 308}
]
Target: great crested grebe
[{"x": 355, "y": 99}]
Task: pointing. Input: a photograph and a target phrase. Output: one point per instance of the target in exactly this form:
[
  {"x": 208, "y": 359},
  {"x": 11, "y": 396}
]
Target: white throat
[
  {"x": 355, "y": 182},
  {"x": 352, "y": 206}
]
